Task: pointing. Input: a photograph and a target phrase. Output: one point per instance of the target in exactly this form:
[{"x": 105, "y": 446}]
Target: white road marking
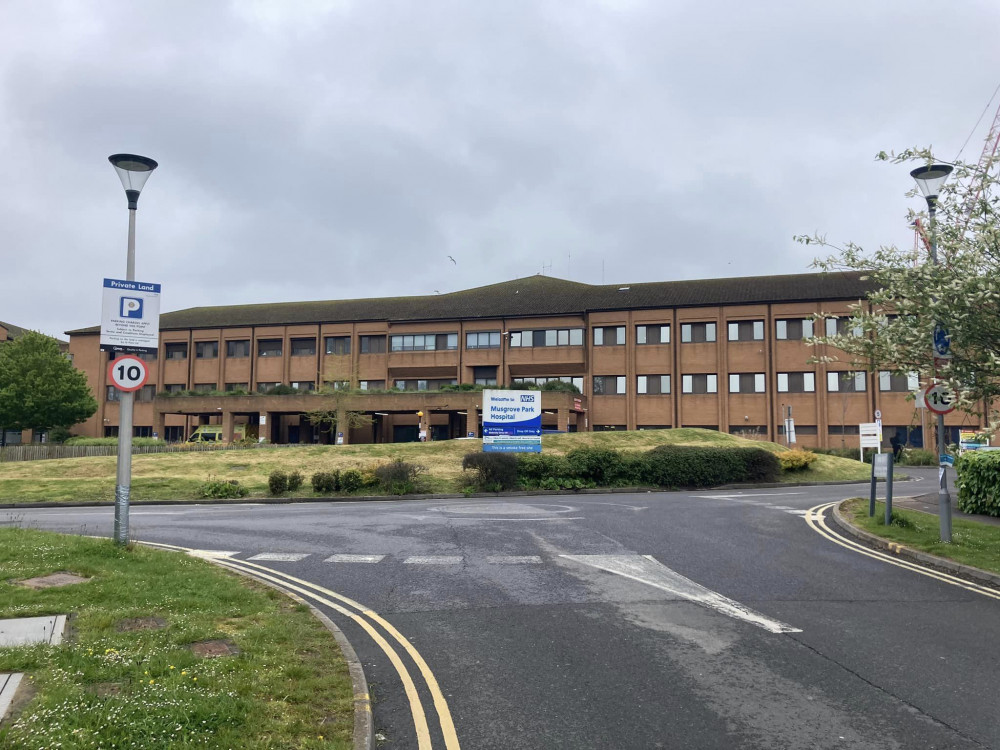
[
  {"x": 514, "y": 559},
  {"x": 753, "y": 494},
  {"x": 648, "y": 570},
  {"x": 370, "y": 559},
  {"x": 280, "y": 556},
  {"x": 211, "y": 554},
  {"x": 433, "y": 560},
  {"x": 802, "y": 513}
]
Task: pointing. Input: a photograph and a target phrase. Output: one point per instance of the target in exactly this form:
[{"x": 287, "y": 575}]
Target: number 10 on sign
[{"x": 128, "y": 373}]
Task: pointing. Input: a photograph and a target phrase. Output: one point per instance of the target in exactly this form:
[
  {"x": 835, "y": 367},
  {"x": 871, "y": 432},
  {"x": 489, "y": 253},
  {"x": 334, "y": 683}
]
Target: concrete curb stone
[{"x": 933, "y": 561}]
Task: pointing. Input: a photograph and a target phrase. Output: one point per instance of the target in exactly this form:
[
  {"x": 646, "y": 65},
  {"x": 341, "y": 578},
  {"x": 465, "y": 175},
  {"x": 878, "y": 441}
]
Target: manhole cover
[
  {"x": 141, "y": 623},
  {"x": 212, "y": 649},
  {"x": 60, "y": 578}
]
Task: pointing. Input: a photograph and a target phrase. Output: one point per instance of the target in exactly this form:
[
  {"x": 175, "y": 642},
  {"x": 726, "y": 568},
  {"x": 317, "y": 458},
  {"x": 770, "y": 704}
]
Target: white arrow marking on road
[{"x": 648, "y": 570}]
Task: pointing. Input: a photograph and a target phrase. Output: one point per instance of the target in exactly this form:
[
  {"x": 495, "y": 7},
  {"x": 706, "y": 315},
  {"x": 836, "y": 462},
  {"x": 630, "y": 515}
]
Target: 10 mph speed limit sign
[
  {"x": 128, "y": 373},
  {"x": 938, "y": 399}
]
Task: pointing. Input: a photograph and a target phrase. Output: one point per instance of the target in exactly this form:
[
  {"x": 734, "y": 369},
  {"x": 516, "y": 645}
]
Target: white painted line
[
  {"x": 514, "y": 559},
  {"x": 433, "y": 560},
  {"x": 211, "y": 554},
  {"x": 8, "y": 686},
  {"x": 802, "y": 513},
  {"x": 754, "y": 494},
  {"x": 280, "y": 556},
  {"x": 370, "y": 559},
  {"x": 648, "y": 570},
  {"x": 781, "y": 507}
]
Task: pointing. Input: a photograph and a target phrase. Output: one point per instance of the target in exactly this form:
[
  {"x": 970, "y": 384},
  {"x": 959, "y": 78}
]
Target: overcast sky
[{"x": 339, "y": 149}]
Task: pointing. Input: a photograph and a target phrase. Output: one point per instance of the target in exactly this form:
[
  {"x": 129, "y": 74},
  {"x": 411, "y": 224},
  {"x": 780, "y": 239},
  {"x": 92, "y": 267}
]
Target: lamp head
[
  {"x": 930, "y": 179},
  {"x": 133, "y": 171}
]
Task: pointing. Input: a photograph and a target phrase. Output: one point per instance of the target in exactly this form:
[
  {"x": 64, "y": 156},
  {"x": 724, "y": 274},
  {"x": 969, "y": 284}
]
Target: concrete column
[
  {"x": 472, "y": 422},
  {"x": 425, "y": 422},
  {"x": 159, "y": 428},
  {"x": 342, "y": 427},
  {"x": 562, "y": 420},
  {"x": 227, "y": 426},
  {"x": 264, "y": 426}
]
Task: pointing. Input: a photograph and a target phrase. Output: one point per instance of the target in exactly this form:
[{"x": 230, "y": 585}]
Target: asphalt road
[{"x": 715, "y": 619}]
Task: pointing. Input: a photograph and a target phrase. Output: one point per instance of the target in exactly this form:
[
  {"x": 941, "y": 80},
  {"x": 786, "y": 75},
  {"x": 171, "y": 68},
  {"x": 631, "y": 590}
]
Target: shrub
[
  {"x": 559, "y": 385},
  {"x": 533, "y": 468},
  {"x": 979, "y": 482},
  {"x": 59, "y": 435},
  {"x": 222, "y": 488},
  {"x": 282, "y": 390},
  {"x": 295, "y": 480},
  {"x": 351, "y": 480},
  {"x": 604, "y": 466},
  {"x": 277, "y": 482},
  {"x": 697, "y": 466},
  {"x": 113, "y": 441},
  {"x": 325, "y": 482},
  {"x": 918, "y": 457},
  {"x": 492, "y": 472},
  {"x": 761, "y": 465},
  {"x": 399, "y": 477},
  {"x": 796, "y": 460}
]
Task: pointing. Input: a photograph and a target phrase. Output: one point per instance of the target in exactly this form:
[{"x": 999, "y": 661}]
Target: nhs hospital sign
[
  {"x": 130, "y": 317},
  {"x": 512, "y": 421}
]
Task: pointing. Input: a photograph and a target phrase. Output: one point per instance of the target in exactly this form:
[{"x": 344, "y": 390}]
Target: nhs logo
[
  {"x": 131, "y": 307},
  {"x": 528, "y": 398}
]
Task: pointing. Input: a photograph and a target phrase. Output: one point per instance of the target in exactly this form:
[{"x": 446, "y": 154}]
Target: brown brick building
[{"x": 726, "y": 354}]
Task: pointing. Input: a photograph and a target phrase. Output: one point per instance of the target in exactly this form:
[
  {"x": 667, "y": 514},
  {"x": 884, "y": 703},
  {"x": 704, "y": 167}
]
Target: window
[
  {"x": 747, "y": 330},
  {"x": 304, "y": 385},
  {"x": 890, "y": 381},
  {"x": 339, "y": 345},
  {"x": 265, "y": 387},
  {"x": 796, "y": 382},
  {"x": 845, "y": 382},
  {"x": 143, "y": 431},
  {"x": 578, "y": 382},
  {"x": 174, "y": 387},
  {"x": 204, "y": 387},
  {"x": 145, "y": 394},
  {"x": 230, "y": 387},
  {"x": 372, "y": 385},
  {"x": 144, "y": 356},
  {"x": 303, "y": 347},
  {"x": 844, "y": 429},
  {"x": 423, "y": 385},
  {"x": 547, "y": 337},
  {"x": 206, "y": 349},
  {"x": 841, "y": 327},
  {"x": 338, "y": 385},
  {"x": 793, "y": 329},
  {"x": 609, "y": 385},
  {"x": 269, "y": 348},
  {"x": 113, "y": 394},
  {"x": 697, "y": 333},
  {"x": 609, "y": 336},
  {"x": 652, "y": 385},
  {"x": 238, "y": 349},
  {"x": 486, "y": 375},
  {"x": 176, "y": 350},
  {"x": 372, "y": 344},
  {"x": 658, "y": 334},
  {"x": 423, "y": 342},
  {"x": 747, "y": 382},
  {"x": 482, "y": 340},
  {"x": 707, "y": 383}
]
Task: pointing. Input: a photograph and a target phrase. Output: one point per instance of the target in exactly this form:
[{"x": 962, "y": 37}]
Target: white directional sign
[
  {"x": 127, "y": 373},
  {"x": 938, "y": 399},
  {"x": 130, "y": 317}
]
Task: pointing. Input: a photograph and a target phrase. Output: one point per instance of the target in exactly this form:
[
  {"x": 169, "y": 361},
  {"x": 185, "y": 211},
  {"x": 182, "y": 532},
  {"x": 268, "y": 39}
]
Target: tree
[
  {"x": 39, "y": 387},
  {"x": 894, "y": 328}
]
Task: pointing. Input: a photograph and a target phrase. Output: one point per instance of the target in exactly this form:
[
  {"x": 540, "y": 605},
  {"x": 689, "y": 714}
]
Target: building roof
[
  {"x": 532, "y": 296},
  {"x": 15, "y": 332}
]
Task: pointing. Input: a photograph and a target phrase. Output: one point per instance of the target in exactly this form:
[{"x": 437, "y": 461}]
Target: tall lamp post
[
  {"x": 929, "y": 180},
  {"x": 133, "y": 171}
]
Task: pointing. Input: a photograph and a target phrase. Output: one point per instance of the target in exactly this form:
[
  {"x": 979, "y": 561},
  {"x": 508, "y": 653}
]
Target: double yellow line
[
  {"x": 369, "y": 621},
  {"x": 816, "y": 518}
]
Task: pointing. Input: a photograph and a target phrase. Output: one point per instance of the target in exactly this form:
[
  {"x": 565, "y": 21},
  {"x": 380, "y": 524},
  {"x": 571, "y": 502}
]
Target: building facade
[{"x": 725, "y": 354}]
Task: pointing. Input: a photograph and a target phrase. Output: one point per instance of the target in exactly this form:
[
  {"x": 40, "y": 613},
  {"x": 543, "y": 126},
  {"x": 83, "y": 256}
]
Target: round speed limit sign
[
  {"x": 128, "y": 373},
  {"x": 939, "y": 400}
]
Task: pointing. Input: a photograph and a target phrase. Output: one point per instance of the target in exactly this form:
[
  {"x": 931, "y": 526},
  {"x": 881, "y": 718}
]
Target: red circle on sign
[
  {"x": 128, "y": 373},
  {"x": 932, "y": 404}
]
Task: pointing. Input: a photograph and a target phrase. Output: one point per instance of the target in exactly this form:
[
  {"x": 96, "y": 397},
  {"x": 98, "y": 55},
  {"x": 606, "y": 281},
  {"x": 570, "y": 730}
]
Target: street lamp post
[
  {"x": 930, "y": 179},
  {"x": 133, "y": 171}
]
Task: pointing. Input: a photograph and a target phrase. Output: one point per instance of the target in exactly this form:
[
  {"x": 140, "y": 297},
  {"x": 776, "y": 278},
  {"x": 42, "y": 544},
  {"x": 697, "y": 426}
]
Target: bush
[
  {"x": 760, "y": 465},
  {"x": 113, "y": 441},
  {"x": 979, "y": 482},
  {"x": 533, "y": 468},
  {"x": 282, "y": 390},
  {"x": 851, "y": 453},
  {"x": 918, "y": 457},
  {"x": 351, "y": 480},
  {"x": 492, "y": 472},
  {"x": 696, "y": 466},
  {"x": 399, "y": 477},
  {"x": 222, "y": 488},
  {"x": 277, "y": 482},
  {"x": 604, "y": 466},
  {"x": 295, "y": 480},
  {"x": 325, "y": 482},
  {"x": 59, "y": 435},
  {"x": 559, "y": 385},
  {"x": 796, "y": 460}
]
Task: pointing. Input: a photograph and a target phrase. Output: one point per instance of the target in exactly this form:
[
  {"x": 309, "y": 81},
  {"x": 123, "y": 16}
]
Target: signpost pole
[
  {"x": 888, "y": 489},
  {"x": 123, "y": 483}
]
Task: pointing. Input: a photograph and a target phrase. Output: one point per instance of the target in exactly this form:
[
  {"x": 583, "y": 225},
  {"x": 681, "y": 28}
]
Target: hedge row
[
  {"x": 672, "y": 466},
  {"x": 979, "y": 482}
]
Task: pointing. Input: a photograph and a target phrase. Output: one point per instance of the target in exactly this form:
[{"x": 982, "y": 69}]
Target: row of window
[{"x": 755, "y": 382}]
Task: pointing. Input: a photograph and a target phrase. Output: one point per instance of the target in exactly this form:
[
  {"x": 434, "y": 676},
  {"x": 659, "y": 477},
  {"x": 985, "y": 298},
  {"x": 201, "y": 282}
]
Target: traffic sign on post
[
  {"x": 128, "y": 373},
  {"x": 939, "y": 399},
  {"x": 942, "y": 342}
]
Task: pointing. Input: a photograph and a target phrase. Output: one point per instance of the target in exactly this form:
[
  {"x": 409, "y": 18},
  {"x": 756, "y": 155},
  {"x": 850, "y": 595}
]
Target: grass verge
[
  {"x": 177, "y": 476},
  {"x": 976, "y": 544},
  {"x": 107, "y": 686}
]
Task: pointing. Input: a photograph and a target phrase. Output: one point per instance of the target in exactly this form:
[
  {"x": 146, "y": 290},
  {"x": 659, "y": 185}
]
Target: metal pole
[
  {"x": 944, "y": 498},
  {"x": 123, "y": 488}
]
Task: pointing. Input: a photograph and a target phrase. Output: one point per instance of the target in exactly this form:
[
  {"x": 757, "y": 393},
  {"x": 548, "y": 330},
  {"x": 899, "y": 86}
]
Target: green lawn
[
  {"x": 170, "y": 476},
  {"x": 976, "y": 544},
  {"x": 106, "y": 686}
]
